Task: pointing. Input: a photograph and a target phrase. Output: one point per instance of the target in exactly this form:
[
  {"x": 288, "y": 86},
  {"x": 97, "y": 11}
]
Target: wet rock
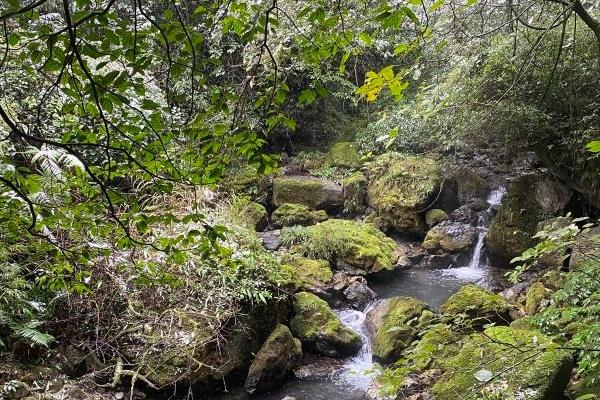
[
  {"x": 449, "y": 237},
  {"x": 295, "y": 214},
  {"x": 470, "y": 185},
  {"x": 435, "y": 216},
  {"x": 320, "y": 330},
  {"x": 437, "y": 261},
  {"x": 316, "y": 194},
  {"x": 512, "y": 293},
  {"x": 359, "y": 295},
  {"x": 14, "y": 390},
  {"x": 481, "y": 306},
  {"x": 313, "y": 367},
  {"x": 464, "y": 214},
  {"x": 271, "y": 239},
  {"x": 530, "y": 199},
  {"x": 274, "y": 361},
  {"x": 543, "y": 377},
  {"x": 399, "y": 187},
  {"x": 391, "y": 322}
]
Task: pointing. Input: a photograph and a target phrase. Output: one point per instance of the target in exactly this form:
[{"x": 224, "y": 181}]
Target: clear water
[{"x": 352, "y": 379}]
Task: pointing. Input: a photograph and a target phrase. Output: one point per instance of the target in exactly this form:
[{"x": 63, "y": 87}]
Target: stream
[{"x": 350, "y": 378}]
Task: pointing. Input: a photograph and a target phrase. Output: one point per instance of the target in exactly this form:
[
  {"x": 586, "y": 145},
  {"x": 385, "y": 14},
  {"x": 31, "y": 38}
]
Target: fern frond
[{"x": 32, "y": 335}]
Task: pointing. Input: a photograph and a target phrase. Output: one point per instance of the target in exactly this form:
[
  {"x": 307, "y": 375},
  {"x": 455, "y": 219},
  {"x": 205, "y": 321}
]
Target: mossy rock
[
  {"x": 470, "y": 185},
  {"x": 436, "y": 344},
  {"x": 355, "y": 193},
  {"x": 535, "y": 296},
  {"x": 252, "y": 214},
  {"x": 393, "y": 324},
  {"x": 295, "y": 214},
  {"x": 316, "y": 194},
  {"x": 310, "y": 272},
  {"x": 449, "y": 237},
  {"x": 435, "y": 216},
  {"x": 481, "y": 306},
  {"x": 274, "y": 361},
  {"x": 356, "y": 247},
  {"x": 522, "y": 364},
  {"x": 524, "y": 206},
  {"x": 344, "y": 154},
  {"x": 320, "y": 330},
  {"x": 400, "y": 187},
  {"x": 247, "y": 181},
  {"x": 190, "y": 340}
]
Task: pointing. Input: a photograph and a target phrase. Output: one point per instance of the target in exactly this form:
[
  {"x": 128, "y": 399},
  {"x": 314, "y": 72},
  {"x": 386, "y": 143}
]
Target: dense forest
[{"x": 300, "y": 199}]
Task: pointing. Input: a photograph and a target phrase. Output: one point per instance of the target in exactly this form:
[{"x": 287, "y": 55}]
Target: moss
[
  {"x": 480, "y": 305},
  {"x": 395, "y": 332},
  {"x": 349, "y": 243},
  {"x": 251, "y": 214},
  {"x": 511, "y": 230},
  {"x": 316, "y": 325},
  {"x": 435, "y": 345},
  {"x": 400, "y": 186},
  {"x": 355, "y": 193},
  {"x": 245, "y": 180},
  {"x": 523, "y": 362},
  {"x": 310, "y": 272},
  {"x": 344, "y": 154},
  {"x": 535, "y": 295},
  {"x": 313, "y": 193},
  {"x": 295, "y": 214},
  {"x": 470, "y": 185},
  {"x": 435, "y": 216}
]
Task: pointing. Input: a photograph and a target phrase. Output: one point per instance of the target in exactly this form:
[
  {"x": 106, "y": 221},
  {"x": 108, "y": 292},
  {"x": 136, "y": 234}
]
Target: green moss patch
[
  {"x": 505, "y": 363},
  {"x": 310, "y": 272},
  {"x": 350, "y": 244},
  {"x": 316, "y": 325},
  {"x": 400, "y": 186},
  {"x": 480, "y": 305},
  {"x": 295, "y": 214},
  {"x": 344, "y": 154}
]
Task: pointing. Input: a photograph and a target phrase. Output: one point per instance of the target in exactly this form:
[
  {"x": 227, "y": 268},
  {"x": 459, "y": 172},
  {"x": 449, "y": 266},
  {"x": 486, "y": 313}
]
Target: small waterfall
[
  {"x": 358, "y": 370},
  {"x": 474, "y": 271}
]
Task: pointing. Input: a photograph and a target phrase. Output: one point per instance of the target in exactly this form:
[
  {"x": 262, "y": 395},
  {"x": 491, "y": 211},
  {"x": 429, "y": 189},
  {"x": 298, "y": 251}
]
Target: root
[{"x": 120, "y": 373}]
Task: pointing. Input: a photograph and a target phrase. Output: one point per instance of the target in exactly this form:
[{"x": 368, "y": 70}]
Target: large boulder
[
  {"x": 356, "y": 247},
  {"x": 316, "y": 194},
  {"x": 450, "y": 237},
  {"x": 185, "y": 338},
  {"x": 530, "y": 199},
  {"x": 505, "y": 363},
  {"x": 359, "y": 295},
  {"x": 344, "y": 154},
  {"x": 400, "y": 187},
  {"x": 470, "y": 185},
  {"x": 479, "y": 305},
  {"x": 310, "y": 272},
  {"x": 274, "y": 361},
  {"x": 392, "y": 323},
  {"x": 296, "y": 214},
  {"x": 320, "y": 330},
  {"x": 252, "y": 214}
]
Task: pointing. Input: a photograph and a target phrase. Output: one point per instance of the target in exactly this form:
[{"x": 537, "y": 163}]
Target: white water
[
  {"x": 358, "y": 370},
  {"x": 475, "y": 270}
]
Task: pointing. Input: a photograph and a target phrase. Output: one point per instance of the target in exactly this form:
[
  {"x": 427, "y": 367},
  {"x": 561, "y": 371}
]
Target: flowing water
[{"x": 350, "y": 379}]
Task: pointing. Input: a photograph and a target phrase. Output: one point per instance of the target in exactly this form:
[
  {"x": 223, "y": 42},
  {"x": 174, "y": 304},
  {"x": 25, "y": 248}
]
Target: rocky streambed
[{"x": 352, "y": 377}]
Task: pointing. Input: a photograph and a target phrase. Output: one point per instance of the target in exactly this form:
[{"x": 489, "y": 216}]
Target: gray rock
[
  {"x": 271, "y": 239},
  {"x": 274, "y": 361},
  {"x": 359, "y": 295},
  {"x": 14, "y": 390}
]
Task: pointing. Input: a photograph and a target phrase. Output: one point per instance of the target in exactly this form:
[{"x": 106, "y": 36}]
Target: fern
[{"x": 30, "y": 334}]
